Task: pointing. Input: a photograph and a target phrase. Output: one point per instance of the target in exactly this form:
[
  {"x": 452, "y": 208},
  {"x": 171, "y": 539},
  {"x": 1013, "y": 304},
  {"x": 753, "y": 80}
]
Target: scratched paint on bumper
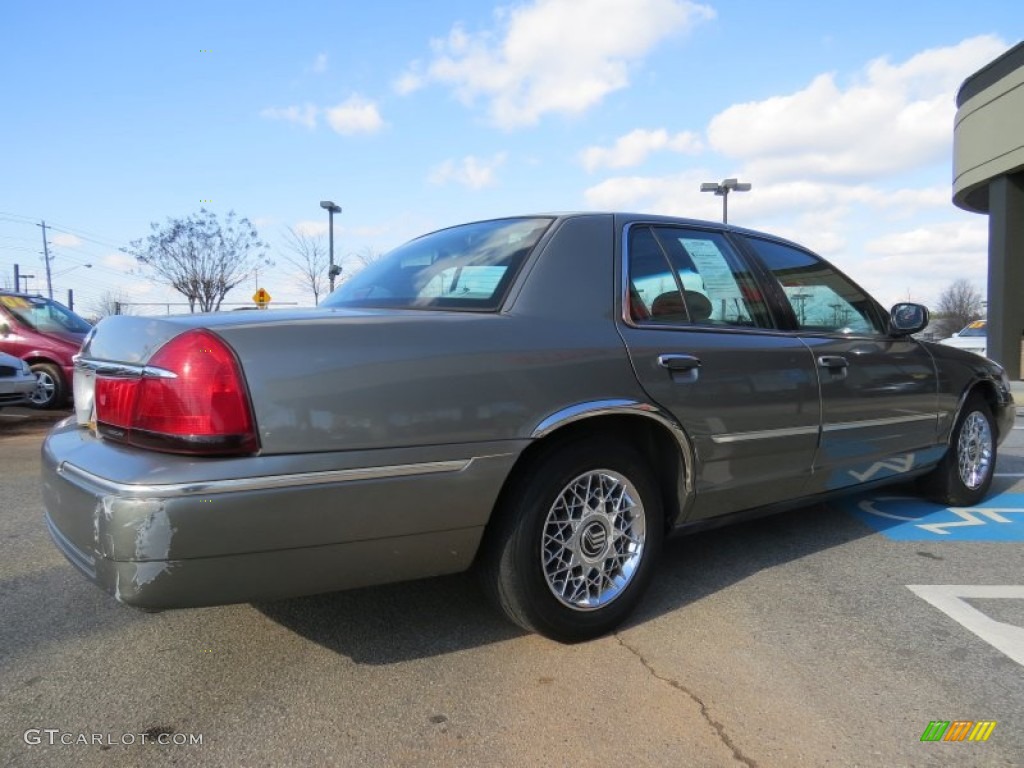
[{"x": 903, "y": 518}]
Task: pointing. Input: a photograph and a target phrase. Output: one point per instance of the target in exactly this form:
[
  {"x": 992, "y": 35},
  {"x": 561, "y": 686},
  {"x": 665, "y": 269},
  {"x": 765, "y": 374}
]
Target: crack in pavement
[{"x": 737, "y": 753}]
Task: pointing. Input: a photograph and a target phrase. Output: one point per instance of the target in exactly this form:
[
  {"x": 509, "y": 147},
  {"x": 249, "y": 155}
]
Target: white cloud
[
  {"x": 470, "y": 171},
  {"x": 633, "y": 148},
  {"x": 311, "y": 228},
  {"x": 119, "y": 261},
  {"x": 679, "y": 195},
  {"x": 320, "y": 63},
  {"x": 409, "y": 81},
  {"x": 67, "y": 240},
  {"x": 305, "y": 115},
  {"x": 561, "y": 56},
  {"x": 924, "y": 261},
  {"x": 354, "y": 115},
  {"x": 891, "y": 118},
  {"x": 968, "y": 237}
]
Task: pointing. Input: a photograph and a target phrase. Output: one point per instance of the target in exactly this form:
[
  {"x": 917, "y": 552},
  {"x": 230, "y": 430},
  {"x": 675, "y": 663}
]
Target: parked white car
[{"x": 973, "y": 338}]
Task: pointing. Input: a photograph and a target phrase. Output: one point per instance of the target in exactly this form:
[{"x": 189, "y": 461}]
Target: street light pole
[
  {"x": 331, "y": 208},
  {"x": 722, "y": 189}
]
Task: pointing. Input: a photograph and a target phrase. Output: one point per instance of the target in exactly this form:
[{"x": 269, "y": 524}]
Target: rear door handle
[
  {"x": 832, "y": 361},
  {"x": 679, "y": 362}
]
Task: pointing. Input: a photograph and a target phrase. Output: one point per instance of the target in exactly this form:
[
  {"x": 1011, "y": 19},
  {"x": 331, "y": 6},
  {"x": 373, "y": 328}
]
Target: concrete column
[{"x": 1006, "y": 271}]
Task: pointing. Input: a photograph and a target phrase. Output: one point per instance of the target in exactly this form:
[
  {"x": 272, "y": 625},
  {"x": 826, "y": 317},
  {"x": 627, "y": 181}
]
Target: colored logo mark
[
  {"x": 998, "y": 518},
  {"x": 958, "y": 730}
]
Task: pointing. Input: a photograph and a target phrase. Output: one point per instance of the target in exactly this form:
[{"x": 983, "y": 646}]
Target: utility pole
[{"x": 46, "y": 258}]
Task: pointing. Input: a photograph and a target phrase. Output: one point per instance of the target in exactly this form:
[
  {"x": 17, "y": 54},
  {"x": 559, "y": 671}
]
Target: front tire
[
  {"x": 576, "y": 540},
  {"x": 964, "y": 476},
  {"x": 50, "y": 391}
]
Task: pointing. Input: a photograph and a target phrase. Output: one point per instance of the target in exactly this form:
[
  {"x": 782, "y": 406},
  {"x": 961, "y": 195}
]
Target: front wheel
[
  {"x": 576, "y": 540},
  {"x": 50, "y": 391},
  {"x": 964, "y": 475}
]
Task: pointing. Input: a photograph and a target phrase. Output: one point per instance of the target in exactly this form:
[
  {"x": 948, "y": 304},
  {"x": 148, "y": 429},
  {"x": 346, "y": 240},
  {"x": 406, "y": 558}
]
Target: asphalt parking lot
[{"x": 830, "y": 635}]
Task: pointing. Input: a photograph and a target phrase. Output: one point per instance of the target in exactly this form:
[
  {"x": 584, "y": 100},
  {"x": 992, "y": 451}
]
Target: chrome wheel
[
  {"x": 593, "y": 539},
  {"x": 45, "y": 390},
  {"x": 974, "y": 450}
]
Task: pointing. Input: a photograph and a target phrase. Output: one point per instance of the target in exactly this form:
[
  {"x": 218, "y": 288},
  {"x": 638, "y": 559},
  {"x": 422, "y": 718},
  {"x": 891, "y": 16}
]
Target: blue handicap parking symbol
[{"x": 904, "y": 518}]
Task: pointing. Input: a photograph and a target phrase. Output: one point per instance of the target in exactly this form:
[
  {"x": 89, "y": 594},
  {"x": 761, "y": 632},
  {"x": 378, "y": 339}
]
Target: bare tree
[
  {"x": 364, "y": 257},
  {"x": 112, "y": 302},
  {"x": 199, "y": 257},
  {"x": 309, "y": 256},
  {"x": 958, "y": 305}
]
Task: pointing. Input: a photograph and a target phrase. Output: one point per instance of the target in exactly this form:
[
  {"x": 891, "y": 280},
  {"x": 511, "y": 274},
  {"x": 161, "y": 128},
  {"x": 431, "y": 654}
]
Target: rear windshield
[
  {"x": 465, "y": 267},
  {"x": 977, "y": 328}
]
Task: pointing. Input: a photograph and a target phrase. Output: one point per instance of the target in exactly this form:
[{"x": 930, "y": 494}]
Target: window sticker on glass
[
  {"x": 714, "y": 270},
  {"x": 471, "y": 281},
  {"x": 719, "y": 280}
]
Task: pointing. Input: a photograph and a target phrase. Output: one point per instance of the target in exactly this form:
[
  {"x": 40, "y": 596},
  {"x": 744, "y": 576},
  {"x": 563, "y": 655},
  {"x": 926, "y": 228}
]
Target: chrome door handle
[
  {"x": 679, "y": 362},
  {"x": 832, "y": 361}
]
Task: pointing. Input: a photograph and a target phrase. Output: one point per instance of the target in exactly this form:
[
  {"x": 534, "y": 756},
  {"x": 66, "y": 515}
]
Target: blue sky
[{"x": 414, "y": 116}]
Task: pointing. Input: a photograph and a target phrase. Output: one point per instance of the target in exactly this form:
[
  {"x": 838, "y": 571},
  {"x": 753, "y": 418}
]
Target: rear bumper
[
  {"x": 16, "y": 390},
  {"x": 257, "y": 537},
  {"x": 159, "y": 584}
]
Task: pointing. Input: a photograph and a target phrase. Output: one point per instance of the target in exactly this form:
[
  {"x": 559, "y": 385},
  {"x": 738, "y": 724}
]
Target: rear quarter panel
[{"x": 340, "y": 381}]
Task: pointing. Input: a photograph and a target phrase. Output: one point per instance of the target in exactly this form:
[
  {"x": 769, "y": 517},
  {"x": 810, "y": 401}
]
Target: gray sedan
[{"x": 543, "y": 398}]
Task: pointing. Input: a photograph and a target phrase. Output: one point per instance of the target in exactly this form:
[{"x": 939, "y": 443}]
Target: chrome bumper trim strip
[{"x": 266, "y": 482}]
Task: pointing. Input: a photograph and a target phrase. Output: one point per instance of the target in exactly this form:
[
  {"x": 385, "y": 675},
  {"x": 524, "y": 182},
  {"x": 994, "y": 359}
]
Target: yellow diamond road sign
[{"x": 261, "y": 296}]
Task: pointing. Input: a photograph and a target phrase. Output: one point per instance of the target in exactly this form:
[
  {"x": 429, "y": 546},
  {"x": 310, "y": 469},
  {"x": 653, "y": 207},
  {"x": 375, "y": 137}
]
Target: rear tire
[
  {"x": 50, "y": 391},
  {"x": 964, "y": 476},
  {"x": 575, "y": 540}
]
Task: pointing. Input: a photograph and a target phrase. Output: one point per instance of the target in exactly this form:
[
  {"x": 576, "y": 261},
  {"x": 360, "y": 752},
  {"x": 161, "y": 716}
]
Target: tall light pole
[
  {"x": 722, "y": 189},
  {"x": 331, "y": 208}
]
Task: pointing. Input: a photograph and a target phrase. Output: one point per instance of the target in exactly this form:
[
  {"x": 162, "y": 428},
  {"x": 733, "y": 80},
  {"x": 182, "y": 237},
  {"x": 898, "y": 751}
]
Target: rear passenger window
[
  {"x": 823, "y": 300},
  {"x": 681, "y": 276}
]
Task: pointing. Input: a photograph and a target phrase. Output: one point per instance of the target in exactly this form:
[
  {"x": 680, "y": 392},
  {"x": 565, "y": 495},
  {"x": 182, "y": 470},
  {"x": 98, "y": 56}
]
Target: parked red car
[{"x": 45, "y": 334}]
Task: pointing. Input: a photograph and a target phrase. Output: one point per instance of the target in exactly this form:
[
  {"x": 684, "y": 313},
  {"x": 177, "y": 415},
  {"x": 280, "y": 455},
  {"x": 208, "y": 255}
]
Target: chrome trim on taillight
[{"x": 123, "y": 370}]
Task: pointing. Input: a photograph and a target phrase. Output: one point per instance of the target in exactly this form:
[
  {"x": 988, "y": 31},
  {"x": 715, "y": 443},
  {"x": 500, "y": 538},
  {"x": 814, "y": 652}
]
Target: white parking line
[
  {"x": 950, "y": 600},
  {"x": 1008, "y": 474}
]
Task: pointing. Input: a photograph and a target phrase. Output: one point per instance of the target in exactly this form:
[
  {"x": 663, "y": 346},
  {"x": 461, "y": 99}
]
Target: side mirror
[
  {"x": 907, "y": 318},
  {"x": 5, "y": 329}
]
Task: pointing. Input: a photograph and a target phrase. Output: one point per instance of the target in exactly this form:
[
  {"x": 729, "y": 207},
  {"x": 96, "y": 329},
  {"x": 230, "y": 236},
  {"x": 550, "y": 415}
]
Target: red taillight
[{"x": 191, "y": 399}]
